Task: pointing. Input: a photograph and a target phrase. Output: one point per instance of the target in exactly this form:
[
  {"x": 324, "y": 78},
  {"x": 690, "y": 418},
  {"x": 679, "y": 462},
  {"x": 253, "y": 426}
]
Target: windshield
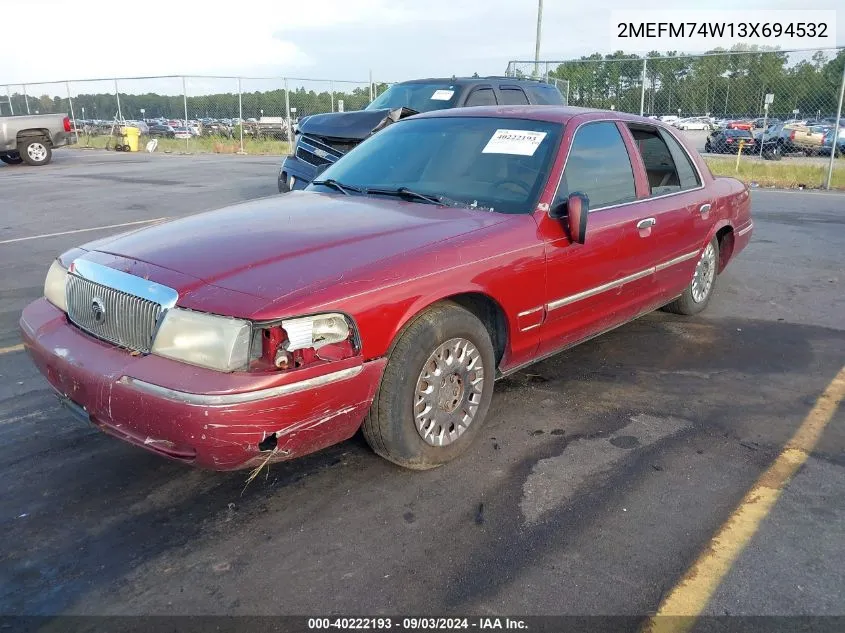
[
  {"x": 421, "y": 97},
  {"x": 497, "y": 163}
]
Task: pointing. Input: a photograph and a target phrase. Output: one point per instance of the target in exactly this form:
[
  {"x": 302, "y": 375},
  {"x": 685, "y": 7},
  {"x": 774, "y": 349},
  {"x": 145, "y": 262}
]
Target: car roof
[
  {"x": 549, "y": 113},
  {"x": 475, "y": 80}
]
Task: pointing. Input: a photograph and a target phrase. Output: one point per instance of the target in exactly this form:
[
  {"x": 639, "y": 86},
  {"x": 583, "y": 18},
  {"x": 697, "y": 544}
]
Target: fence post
[
  {"x": 185, "y": 101},
  {"x": 371, "y": 84},
  {"x": 547, "y": 72},
  {"x": 9, "y": 95},
  {"x": 836, "y": 126},
  {"x": 241, "y": 115},
  {"x": 289, "y": 126},
  {"x": 331, "y": 89},
  {"x": 72, "y": 117},
  {"x": 642, "y": 90},
  {"x": 26, "y": 98}
]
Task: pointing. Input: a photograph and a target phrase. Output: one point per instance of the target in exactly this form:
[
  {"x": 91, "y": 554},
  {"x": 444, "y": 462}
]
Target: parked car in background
[
  {"x": 31, "y": 139},
  {"x": 182, "y": 132},
  {"x": 808, "y": 139},
  {"x": 728, "y": 141},
  {"x": 694, "y": 123},
  {"x": 323, "y": 138},
  {"x": 165, "y": 131},
  {"x": 740, "y": 125},
  {"x": 471, "y": 242},
  {"x": 827, "y": 142}
]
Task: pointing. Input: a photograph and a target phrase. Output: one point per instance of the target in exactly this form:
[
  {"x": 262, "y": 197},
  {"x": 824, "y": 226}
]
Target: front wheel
[
  {"x": 35, "y": 152},
  {"x": 697, "y": 295},
  {"x": 435, "y": 391},
  {"x": 11, "y": 159}
]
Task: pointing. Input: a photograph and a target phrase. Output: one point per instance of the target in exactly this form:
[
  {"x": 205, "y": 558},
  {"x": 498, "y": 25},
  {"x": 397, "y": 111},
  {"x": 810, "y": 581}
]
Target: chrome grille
[{"x": 127, "y": 320}]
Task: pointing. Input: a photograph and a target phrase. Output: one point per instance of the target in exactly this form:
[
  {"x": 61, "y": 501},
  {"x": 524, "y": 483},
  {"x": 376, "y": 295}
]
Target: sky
[{"x": 331, "y": 39}]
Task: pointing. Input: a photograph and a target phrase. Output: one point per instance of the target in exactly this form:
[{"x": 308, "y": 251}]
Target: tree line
[
  {"x": 217, "y": 106},
  {"x": 727, "y": 84}
]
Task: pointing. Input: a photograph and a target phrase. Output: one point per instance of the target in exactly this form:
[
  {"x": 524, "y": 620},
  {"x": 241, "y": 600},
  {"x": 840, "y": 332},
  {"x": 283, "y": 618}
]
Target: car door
[
  {"x": 678, "y": 205},
  {"x": 609, "y": 279}
]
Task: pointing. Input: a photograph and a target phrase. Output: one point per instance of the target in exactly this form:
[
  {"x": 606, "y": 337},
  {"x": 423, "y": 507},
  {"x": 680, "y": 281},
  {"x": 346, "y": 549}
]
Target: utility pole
[{"x": 537, "y": 45}]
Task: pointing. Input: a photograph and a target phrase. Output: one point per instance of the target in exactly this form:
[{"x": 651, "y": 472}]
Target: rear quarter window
[{"x": 544, "y": 94}]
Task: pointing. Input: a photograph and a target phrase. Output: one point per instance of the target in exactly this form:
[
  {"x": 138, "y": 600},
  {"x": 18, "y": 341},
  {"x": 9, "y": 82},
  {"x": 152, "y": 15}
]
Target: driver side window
[{"x": 598, "y": 166}]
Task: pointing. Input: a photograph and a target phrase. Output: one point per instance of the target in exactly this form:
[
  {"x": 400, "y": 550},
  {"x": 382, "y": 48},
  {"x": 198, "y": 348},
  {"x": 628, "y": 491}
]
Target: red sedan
[
  {"x": 449, "y": 250},
  {"x": 740, "y": 125}
]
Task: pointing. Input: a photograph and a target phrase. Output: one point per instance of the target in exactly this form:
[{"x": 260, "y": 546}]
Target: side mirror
[{"x": 574, "y": 212}]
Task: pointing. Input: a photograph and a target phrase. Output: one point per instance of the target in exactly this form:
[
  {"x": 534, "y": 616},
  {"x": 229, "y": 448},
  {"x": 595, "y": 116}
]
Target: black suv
[{"x": 323, "y": 138}]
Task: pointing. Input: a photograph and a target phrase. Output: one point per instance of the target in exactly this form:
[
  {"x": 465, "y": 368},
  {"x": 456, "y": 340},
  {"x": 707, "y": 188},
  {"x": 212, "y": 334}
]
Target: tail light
[
  {"x": 66, "y": 124},
  {"x": 729, "y": 140},
  {"x": 792, "y": 135}
]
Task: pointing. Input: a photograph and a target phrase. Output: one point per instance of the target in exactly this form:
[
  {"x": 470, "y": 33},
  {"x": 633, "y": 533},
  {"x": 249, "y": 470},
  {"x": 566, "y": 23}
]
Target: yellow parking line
[
  {"x": 691, "y": 595},
  {"x": 9, "y": 350}
]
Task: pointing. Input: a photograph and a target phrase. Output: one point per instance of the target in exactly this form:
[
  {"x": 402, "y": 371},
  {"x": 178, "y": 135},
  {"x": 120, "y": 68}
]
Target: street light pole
[{"x": 537, "y": 44}]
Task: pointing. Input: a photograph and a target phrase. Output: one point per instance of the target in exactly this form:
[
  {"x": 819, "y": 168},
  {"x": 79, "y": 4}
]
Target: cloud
[{"x": 332, "y": 39}]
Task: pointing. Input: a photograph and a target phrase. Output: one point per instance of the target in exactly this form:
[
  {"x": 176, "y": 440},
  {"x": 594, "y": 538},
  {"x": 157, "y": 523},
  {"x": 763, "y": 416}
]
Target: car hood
[
  {"x": 356, "y": 125},
  {"x": 281, "y": 246}
]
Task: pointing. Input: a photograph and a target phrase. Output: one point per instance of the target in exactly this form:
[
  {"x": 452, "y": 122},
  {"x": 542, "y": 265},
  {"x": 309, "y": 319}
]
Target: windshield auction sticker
[
  {"x": 443, "y": 95},
  {"x": 518, "y": 142}
]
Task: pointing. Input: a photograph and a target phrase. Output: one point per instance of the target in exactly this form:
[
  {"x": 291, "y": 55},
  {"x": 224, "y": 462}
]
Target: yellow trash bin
[{"x": 131, "y": 135}]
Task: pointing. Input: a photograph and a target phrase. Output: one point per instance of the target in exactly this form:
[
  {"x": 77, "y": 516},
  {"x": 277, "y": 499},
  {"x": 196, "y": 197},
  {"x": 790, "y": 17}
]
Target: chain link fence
[
  {"x": 789, "y": 100},
  {"x": 190, "y": 114}
]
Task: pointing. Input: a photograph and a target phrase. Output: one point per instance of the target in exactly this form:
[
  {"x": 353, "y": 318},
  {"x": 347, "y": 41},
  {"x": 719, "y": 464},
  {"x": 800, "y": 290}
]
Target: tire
[
  {"x": 708, "y": 148},
  {"x": 35, "y": 151},
  {"x": 776, "y": 153},
  {"x": 11, "y": 159},
  {"x": 126, "y": 148},
  {"x": 443, "y": 331},
  {"x": 284, "y": 187},
  {"x": 694, "y": 299}
]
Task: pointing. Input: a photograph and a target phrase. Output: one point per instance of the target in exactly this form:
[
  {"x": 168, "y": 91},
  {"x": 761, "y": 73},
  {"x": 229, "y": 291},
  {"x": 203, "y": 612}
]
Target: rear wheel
[
  {"x": 35, "y": 151},
  {"x": 12, "y": 158},
  {"x": 435, "y": 391},
  {"x": 697, "y": 295}
]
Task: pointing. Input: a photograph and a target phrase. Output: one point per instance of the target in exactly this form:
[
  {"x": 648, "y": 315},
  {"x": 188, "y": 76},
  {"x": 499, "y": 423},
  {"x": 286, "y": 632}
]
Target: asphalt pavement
[{"x": 601, "y": 476}]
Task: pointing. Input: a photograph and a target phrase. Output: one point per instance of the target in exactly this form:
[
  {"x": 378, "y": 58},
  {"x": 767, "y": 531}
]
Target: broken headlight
[{"x": 303, "y": 341}]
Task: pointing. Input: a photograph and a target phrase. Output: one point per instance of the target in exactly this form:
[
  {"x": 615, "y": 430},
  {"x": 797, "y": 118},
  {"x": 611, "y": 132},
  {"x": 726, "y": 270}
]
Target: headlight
[
  {"x": 315, "y": 331},
  {"x": 203, "y": 339},
  {"x": 54, "y": 285}
]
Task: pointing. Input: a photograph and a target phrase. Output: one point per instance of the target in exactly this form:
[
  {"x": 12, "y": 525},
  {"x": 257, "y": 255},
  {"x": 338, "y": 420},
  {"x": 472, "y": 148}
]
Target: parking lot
[{"x": 601, "y": 477}]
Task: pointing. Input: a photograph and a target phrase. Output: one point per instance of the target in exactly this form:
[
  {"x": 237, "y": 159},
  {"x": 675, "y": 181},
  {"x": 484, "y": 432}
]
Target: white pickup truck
[{"x": 31, "y": 139}]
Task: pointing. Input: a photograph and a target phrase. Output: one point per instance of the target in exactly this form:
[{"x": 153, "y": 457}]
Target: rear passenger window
[
  {"x": 512, "y": 96},
  {"x": 545, "y": 94},
  {"x": 686, "y": 171},
  {"x": 482, "y": 97},
  {"x": 667, "y": 171},
  {"x": 598, "y": 166}
]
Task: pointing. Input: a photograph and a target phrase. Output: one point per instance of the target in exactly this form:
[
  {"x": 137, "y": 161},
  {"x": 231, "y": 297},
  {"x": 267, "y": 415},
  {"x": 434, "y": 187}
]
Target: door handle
[
  {"x": 646, "y": 223},
  {"x": 704, "y": 208}
]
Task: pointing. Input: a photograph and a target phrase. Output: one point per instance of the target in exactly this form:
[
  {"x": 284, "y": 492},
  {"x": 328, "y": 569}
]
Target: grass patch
[
  {"x": 198, "y": 145},
  {"x": 786, "y": 174}
]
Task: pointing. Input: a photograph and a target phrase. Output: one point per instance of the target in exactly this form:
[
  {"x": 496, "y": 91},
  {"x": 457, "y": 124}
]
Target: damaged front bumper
[{"x": 194, "y": 415}]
